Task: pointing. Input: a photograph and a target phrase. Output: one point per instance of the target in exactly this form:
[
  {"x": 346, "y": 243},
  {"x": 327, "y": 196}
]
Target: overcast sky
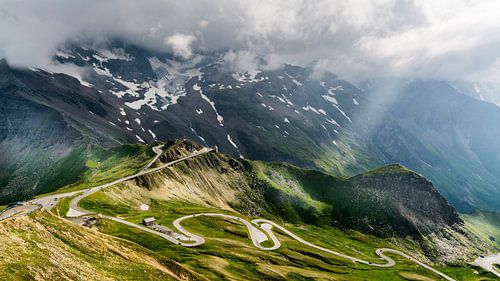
[{"x": 430, "y": 39}]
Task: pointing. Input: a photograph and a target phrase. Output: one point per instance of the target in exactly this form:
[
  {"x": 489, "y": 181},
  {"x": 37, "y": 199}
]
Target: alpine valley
[{"x": 275, "y": 173}]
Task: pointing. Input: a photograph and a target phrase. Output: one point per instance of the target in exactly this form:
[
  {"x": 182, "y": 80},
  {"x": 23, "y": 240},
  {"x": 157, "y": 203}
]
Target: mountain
[
  {"x": 448, "y": 137},
  {"x": 120, "y": 94},
  {"x": 49, "y": 125}
]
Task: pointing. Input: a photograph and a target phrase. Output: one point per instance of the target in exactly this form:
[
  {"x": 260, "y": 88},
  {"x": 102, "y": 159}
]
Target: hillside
[
  {"x": 411, "y": 213},
  {"x": 49, "y": 125},
  {"x": 390, "y": 207},
  {"x": 484, "y": 224},
  {"x": 44, "y": 247}
]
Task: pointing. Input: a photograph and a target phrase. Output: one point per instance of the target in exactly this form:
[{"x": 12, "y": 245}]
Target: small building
[{"x": 149, "y": 221}]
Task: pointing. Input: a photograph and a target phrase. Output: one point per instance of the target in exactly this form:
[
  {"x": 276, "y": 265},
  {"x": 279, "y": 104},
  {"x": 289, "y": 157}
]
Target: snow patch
[
  {"x": 425, "y": 163},
  {"x": 334, "y": 103},
  {"x": 249, "y": 76},
  {"x": 196, "y": 134},
  {"x": 132, "y": 89},
  {"x": 220, "y": 119},
  {"x": 70, "y": 70},
  {"x": 308, "y": 107},
  {"x": 330, "y": 99},
  {"x": 103, "y": 71},
  {"x": 333, "y": 122},
  {"x": 230, "y": 140},
  {"x": 152, "y": 133},
  {"x": 293, "y": 80},
  {"x": 158, "y": 92},
  {"x": 139, "y": 139},
  {"x": 64, "y": 55},
  {"x": 477, "y": 89}
]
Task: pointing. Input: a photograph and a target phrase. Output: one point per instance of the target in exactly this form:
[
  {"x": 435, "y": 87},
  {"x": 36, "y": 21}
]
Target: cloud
[
  {"x": 181, "y": 44},
  {"x": 445, "y": 39}
]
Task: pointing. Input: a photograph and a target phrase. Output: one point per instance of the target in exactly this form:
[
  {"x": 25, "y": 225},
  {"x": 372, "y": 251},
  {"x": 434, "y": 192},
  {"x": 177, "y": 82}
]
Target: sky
[{"x": 439, "y": 39}]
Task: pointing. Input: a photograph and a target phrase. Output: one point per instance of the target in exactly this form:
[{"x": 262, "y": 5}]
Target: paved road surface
[
  {"x": 158, "y": 150},
  {"x": 487, "y": 263},
  {"x": 18, "y": 211},
  {"x": 256, "y": 235}
]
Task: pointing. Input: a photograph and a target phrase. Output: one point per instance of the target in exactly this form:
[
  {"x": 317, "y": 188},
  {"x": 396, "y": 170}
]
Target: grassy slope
[
  {"x": 98, "y": 166},
  {"x": 293, "y": 261},
  {"x": 485, "y": 225},
  {"x": 62, "y": 206},
  {"x": 44, "y": 247},
  {"x": 300, "y": 195}
]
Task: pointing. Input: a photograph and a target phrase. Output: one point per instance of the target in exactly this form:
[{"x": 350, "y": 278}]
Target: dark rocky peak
[{"x": 411, "y": 195}]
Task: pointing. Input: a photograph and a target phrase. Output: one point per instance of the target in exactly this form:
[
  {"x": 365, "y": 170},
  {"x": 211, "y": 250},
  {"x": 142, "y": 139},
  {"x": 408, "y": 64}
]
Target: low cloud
[
  {"x": 443, "y": 39},
  {"x": 181, "y": 44}
]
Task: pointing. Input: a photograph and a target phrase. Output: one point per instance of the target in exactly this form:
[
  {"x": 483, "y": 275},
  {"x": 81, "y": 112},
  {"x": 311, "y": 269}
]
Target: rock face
[{"x": 408, "y": 202}]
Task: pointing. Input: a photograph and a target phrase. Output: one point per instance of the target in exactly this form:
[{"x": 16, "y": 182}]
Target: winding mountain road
[
  {"x": 49, "y": 201},
  {"x": 258, "y": 229},
  {"x": 76, "y": 211}
]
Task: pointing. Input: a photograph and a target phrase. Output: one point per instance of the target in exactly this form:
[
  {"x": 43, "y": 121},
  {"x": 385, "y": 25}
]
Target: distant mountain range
[{"x": 104, "y": 97}]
